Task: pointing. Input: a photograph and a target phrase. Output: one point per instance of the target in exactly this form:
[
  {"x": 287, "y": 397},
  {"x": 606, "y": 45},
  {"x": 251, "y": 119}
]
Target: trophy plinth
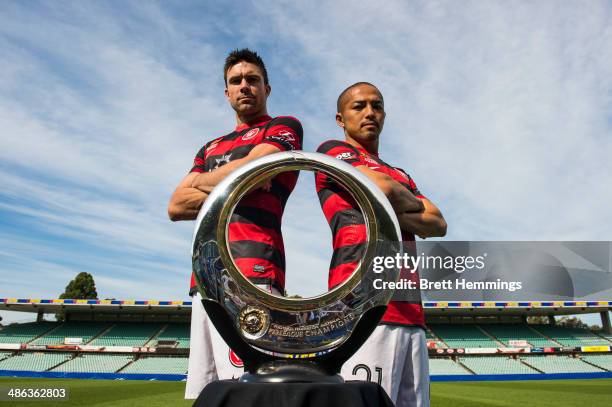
[{"x": 284, "y": 371}]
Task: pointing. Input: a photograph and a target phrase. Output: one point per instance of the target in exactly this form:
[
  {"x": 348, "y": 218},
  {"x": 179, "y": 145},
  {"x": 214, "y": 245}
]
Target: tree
[
  {"x": 82, "y": 287},
  {"x": 572, "y": 322},
  {"x": 537, "y": 319}
]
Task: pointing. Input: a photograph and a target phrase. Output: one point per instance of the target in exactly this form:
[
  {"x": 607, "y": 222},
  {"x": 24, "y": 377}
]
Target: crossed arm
[
  {"x": 416, "y": 215},
  {"x": 192, "y": 191}
]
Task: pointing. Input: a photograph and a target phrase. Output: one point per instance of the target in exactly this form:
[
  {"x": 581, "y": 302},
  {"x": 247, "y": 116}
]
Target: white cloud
[
  {"x": 498, "y": 110},
  {"x": 98, "y": 128}
]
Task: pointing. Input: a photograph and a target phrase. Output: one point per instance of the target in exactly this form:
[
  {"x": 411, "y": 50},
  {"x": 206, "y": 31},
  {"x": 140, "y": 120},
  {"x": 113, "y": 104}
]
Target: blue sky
[{"x": 499, "y": 110}]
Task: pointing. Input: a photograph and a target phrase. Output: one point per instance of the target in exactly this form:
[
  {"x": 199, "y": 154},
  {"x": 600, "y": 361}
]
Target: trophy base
[{"x": 279, "y": 371}]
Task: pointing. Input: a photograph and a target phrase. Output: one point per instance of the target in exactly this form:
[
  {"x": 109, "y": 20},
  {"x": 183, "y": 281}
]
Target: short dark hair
[
  {"x": 345, "y": 91},
  {"x": 246, "y": 55}
]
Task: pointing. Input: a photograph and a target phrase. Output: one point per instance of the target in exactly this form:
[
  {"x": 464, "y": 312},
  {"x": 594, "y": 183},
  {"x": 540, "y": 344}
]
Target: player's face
[
  {"x": 245, "y": 90},
  {"x": 362, "y": 113}
]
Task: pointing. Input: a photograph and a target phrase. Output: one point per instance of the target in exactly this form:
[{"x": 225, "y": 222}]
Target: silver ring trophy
[{"x": 284, "y": 339}]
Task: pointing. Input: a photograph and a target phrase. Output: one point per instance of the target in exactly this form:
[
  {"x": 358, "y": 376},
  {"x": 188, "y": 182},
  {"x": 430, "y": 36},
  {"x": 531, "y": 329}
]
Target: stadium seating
[
  {"x": 571, "y": 336},
  {"x": 36, "y": 362},
  {"x": 559, "y": 364},
  {"x": 507, "y": 332},
  {"x": 429, "y": 335},
  {"x": 128, "y": 334},
  {"x": 84, "y": 330},
  {"x": 495, "y": 365},
  {"x": 175, "y": 332},
  {"x": 463, "y": 336},
  {"x": 24, "y": 333},
  {"x": 483, "y": 333},
  {"x": 166, "y": 365},
  {"x": 95, "y": 363},
  {"x": 445, "y": 366},
  {"x": 603, "y": 361},
  {"x": 4, "y": 355}
]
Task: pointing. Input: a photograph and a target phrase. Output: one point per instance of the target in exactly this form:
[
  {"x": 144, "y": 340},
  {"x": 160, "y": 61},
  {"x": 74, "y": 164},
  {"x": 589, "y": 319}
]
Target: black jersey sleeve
[
  {"x": 284, "y": 132},
  {"x": 409, "y": 183},
  {"x": 342, "y": 151},
  {"x": 199, "y": 161}
]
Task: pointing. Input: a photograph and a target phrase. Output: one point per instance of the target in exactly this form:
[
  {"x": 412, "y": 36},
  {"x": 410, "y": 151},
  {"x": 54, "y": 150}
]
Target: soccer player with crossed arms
[
  {"x": 255, "y": 238},
  {"x": 395, "y": 354}
]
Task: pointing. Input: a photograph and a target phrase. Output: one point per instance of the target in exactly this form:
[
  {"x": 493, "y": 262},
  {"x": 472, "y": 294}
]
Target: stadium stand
[
  {"x": 571, "y": 336},
  {"x": 84, "y": 330},
  {"x": 151, "y": 338},
  {"x": 463, "y": 336},
  {"x": 35, "y": 362},
  {"x": 606, "y": 337},
  {"x": 174, "y": 332},
  {"x": 95, "y": 363},
  {"x": 559, "y": 364},
  {"x": 445, "y": 366},
  {"x": 495, "y": 365},
  {"x": 602, "y": 361},
  {"x": 430, "y": 337},
  {"x": 4, "y": 355},
  {"x": 128, "y": 334},
  {"x": 508, "y": 332},
  {"x": 166, "y": 365},
  {"x": 24, "y": 333}
]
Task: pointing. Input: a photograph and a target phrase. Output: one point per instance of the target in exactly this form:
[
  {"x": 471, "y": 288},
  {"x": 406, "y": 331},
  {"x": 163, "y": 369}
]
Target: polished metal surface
[{"x": 292, "y": 327}]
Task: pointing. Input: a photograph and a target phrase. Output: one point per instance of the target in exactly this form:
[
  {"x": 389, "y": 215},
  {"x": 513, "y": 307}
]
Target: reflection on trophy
[{"x": 292, "y": 340}]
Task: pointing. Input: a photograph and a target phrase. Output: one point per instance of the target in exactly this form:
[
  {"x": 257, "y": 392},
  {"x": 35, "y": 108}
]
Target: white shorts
[
  {"x": 395, "y": 357},
  {"x": 209, "y": 356}
]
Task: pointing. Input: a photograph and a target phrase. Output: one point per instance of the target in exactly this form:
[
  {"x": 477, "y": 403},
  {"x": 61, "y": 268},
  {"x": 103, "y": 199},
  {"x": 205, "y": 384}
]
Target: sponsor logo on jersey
[
  {"x": 283, "y": 137},
  {"x": 223, "y": 160},
  {"x": 258, "y": 268},
  {"x": 250, "y": 134},
  {"x": 345, "y": 156},
  {"x": 368, "y": 159},
  {"x": 212, "y": 146},
  {"x": 235, "y": 360},
  {"x": 286, "y": 135}
]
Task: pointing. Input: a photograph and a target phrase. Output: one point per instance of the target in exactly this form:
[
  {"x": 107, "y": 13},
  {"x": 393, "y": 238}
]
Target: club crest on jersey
[
  {"x": 250, "y": 134},
  {"x": 235, "y": 359}
]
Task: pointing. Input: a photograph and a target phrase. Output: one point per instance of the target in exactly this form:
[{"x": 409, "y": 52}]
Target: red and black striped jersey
[
  {"x": 255, "y": 238},
  {"x": 348, "y": 226}
]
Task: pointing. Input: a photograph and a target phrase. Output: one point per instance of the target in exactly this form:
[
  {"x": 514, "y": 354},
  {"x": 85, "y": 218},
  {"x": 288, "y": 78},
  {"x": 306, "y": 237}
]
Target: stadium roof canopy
[
  {"x": 441, "y": 308},
  {"x": 98, "y": 306}
]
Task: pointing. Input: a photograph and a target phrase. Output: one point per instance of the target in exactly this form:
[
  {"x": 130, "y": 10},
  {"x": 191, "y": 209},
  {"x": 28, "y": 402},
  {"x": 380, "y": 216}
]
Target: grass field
[{"x": 557, "y": 393}]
